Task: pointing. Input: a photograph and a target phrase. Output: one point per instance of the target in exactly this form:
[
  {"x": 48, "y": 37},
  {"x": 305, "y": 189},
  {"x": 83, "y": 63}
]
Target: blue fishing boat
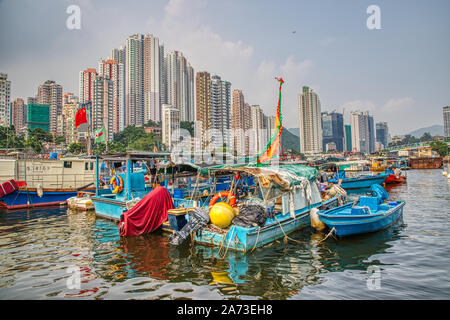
[
  {"x": 368, "y": 214},
  {"x": 287, "y": 193},
  {"x": 125, "y": 189},
  {"x": 359, "y": 182}
]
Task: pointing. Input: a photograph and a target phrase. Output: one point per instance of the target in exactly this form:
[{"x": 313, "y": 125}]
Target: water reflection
[{"x": 38, "y": 247}]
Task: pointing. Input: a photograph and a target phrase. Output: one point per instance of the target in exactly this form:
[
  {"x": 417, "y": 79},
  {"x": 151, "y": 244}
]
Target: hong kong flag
[{"x": 80, "y": 117}]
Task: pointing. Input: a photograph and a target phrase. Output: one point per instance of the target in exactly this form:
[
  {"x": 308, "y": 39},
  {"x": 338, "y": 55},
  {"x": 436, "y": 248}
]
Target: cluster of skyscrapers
[
  {"x": 139, "y": 84},
  {"x": 325, "y": 131}
]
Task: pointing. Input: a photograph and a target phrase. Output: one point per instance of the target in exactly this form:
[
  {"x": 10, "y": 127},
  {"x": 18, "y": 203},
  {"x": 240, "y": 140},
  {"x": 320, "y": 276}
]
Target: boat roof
[
  {"x": 284, "y": 176},
  {"x": 136, "y": 155}
]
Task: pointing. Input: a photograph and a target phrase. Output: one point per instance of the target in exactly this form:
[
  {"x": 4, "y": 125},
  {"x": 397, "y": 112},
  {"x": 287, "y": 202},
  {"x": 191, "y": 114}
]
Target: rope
[
  {"x": 257, "y": 238},
  {"x": 330, "y": 233},
  {"x": 285, "y": 235}
]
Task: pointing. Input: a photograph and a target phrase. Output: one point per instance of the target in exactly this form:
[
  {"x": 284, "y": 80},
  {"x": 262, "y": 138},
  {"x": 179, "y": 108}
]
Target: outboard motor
[{"x": 198, "y": 219}]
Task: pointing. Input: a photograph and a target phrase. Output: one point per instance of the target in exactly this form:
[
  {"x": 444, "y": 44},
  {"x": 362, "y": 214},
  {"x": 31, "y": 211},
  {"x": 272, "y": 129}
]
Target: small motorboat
[
  {"x": 395, "y": 177},
  {"x": 368, "y": 214}
]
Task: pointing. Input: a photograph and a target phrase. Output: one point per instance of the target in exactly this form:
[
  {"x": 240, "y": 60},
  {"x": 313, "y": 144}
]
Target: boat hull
[
  {"x": 346, "y": 225},
  {"x": 247, "y": 239},
  {"x": 362, "y": 183},
  {"x": 22, "y": 199},
  {"x": 395, "y": 179}
]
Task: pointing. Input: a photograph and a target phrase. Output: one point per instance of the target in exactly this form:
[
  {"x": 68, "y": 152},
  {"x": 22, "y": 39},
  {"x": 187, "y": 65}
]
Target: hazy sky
[{"x": 400, "y": 73}]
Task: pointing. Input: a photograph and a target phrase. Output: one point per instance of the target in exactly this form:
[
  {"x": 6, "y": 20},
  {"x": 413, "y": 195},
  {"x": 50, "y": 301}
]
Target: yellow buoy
[{"x": 221, "y": 214}]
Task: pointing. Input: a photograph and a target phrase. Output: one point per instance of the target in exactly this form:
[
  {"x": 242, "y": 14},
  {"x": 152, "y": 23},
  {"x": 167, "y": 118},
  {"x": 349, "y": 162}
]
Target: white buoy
[
  {"x": 315, "y": 221},
  {"x": 444, "y": 173}
]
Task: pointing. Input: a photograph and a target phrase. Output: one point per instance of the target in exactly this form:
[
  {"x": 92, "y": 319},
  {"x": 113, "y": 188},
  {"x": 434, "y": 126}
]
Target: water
[{"x": 42, "y": 251}]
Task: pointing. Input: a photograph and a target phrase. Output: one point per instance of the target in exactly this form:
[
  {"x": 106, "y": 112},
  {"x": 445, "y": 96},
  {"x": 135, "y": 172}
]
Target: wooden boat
[
  {"x": 289, "y": 191},
  {"x": 359, "y": 182},
  {"x": 368, "y": 214},
  {"x": 45, "y": 182}
]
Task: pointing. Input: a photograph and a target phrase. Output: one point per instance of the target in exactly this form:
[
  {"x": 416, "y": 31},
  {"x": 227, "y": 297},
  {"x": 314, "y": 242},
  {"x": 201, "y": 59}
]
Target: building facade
[
  {"x": 5, "y": 100},
  {"x": 18, "y": 115},
  {"x": 382, "y": 134},
  {"x": 310, "y": 121},
  {"x": 446, "y": 116},
  {"x": 363, "y": 132},
  {"x": 170, "y": 125},
  {"x": 51, "y": 93},
  {"x": 333, "y": 130},
  {"x": 220, "y": 112},
  {"x": 202, "y": 102}
]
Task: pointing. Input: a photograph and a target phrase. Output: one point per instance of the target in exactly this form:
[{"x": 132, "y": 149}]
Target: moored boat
[
  {"x": 281, "y": 199},
  {"x": 45, "y": 182},
  {"x": 359, "y": 182},
  {"x": 368, "y": 214}
]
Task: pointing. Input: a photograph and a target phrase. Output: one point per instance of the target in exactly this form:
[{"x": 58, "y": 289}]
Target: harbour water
[{"x": 44, "y": 252}]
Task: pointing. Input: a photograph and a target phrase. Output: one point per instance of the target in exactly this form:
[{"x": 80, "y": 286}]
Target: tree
[
  {"x": 144, "y": 144},
  {"x": 76, "y": 148},
  {"x": 440, "y": 147},
  {"x": 60, "y": 140},
  {"x": 40, "y": 134},
  {"x": 99, "y": 148},
  {"x": 187, "y": 125},
  {"x": 426, "y": 137}
]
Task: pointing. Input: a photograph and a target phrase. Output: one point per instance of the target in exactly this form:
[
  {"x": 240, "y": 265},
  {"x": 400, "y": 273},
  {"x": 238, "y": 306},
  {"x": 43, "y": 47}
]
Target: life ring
[
  {"x": 221, "y": 194},
  {"x": 116, "y": 184}
]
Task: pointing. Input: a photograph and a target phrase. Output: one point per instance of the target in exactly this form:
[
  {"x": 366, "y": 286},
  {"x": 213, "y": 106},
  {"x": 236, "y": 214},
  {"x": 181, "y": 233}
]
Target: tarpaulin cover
[
  {"x": 148, "y": 214},
  {"x": 8, "y": 187}
]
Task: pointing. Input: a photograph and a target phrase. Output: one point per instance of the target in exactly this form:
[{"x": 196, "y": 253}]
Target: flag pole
[{"x": 88, "y": 129}]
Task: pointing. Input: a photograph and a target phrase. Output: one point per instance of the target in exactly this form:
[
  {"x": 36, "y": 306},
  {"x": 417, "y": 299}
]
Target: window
[
  {"x": 91, "y": 166},
  {"x": 67, "y": 164}
]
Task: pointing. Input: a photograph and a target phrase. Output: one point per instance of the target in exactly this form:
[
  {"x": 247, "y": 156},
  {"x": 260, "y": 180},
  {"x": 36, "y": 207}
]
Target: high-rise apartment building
[
  {"x": 86, "y": 84},
  {"x": 5, "y": 99},
  {"x": 170, "y": 125},
  {"x": 69, "y": 131},
  {"x": 50, "y": 93},
  {"x": 179, "y": 81},
  {"x": 363, "y": 132},
  {"x": 310, "y": 121},
  {"x": 134, "y": 84},
  {"x": 257, "y": 133},
  {"x": 239, "y": 124},
  {"x": 103, "y": 106},
  {"x": 220, "y": 112},
  {"x": 382, "y": 133},
  {"x": 202, "y": 103},
  {"x": 348, "y": 137},
  {"x": 18, "y": 115},
  {"x": 333, "y": 130},
  {"x": 446, "y": 116},
  {"x": 111, "y": 70},
  {"x": 152, "y": 78}
]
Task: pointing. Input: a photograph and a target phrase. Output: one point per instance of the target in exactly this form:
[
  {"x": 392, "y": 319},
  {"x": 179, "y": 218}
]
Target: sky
[{"x": 400, "y": 73}]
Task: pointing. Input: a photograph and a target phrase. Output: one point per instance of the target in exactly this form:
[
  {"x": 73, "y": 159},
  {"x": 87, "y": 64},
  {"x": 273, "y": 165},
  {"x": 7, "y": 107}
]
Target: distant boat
[
  {"x": 368, "y": 214},
  {"x": 360, "y": 182},
  {"x": 45, "y": 182},
  {"x": 395, "y": 178}
]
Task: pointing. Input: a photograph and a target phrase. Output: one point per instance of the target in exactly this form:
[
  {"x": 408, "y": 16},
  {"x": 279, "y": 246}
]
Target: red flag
[{"x": 80, "y": 117}]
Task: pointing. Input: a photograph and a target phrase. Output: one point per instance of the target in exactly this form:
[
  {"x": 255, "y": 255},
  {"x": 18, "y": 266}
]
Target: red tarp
[
  {"x": 148, "y": 214},
  {"x": 8, "y": 187}
]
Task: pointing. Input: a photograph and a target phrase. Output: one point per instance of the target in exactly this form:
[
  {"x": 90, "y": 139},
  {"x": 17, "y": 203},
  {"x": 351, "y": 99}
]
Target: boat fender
[
  {"x": 229, "y": 195},
  {"x": 315, "y": 220},
  {"x": 116, "y": 184},
  {"x": 39, "y": 191}
]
